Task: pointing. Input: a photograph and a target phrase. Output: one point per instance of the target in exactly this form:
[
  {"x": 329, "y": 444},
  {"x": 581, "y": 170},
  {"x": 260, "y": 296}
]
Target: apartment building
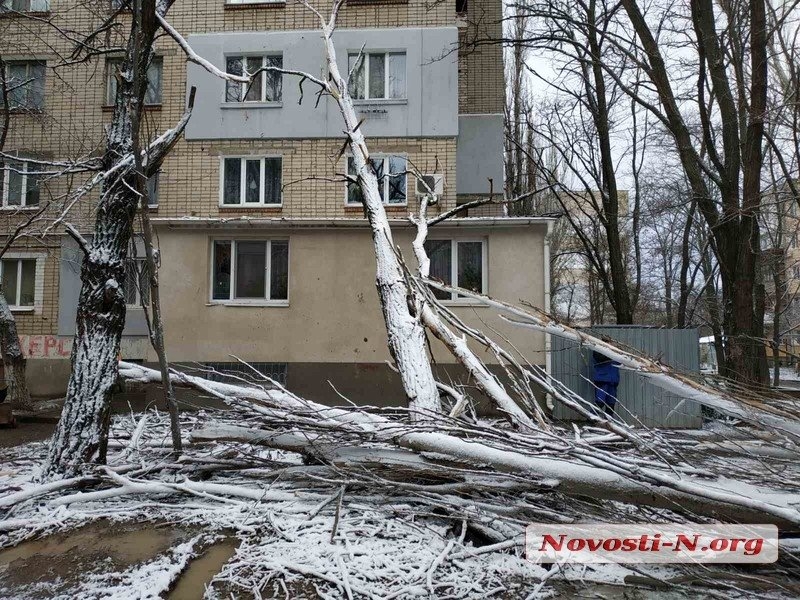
[{"x": 265, "y": 252}]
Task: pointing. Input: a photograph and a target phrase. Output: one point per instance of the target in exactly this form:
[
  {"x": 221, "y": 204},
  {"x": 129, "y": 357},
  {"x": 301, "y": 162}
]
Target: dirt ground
[
  {"x": 25, "y": 433},
  {"x": 56, "y": 564}
]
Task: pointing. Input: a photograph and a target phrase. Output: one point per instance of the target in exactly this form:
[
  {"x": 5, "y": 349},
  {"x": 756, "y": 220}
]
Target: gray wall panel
[
  {"x": 431, "y": 108},
  {"x": 70, "y": 288},
  {"x": 479, "y": 154}
]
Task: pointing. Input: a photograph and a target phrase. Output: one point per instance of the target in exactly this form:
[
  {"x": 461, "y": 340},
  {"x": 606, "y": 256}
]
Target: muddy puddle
[
  {"x": 58, "y": 562},
  {"x": 199, "y": 573}
]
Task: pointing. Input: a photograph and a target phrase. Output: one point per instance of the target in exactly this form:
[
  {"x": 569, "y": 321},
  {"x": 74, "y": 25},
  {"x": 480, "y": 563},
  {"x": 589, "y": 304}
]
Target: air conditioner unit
[{"x": 427, "y": 184}]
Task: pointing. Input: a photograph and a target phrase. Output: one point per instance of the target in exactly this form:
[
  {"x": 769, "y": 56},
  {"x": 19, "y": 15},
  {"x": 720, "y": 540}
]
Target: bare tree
[
  {"x": 81, "y": 433},
  {"x": 731, "y": 131}
]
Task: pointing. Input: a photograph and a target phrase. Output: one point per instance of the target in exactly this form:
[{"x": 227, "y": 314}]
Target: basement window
[
  {"x": 462, "y": 262},
  {"x": 250, "y": 271},
  {"x": 235, "y": 372}
]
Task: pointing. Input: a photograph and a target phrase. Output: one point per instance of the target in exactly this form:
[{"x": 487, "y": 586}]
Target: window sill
[
  {"x": 374, "y": 2},
  {"x": 107, "y": 108},
  {"x": 22, "y": 110},
  {"x": 380, "y": 101},
  {"x": 250, "y": 206},
  {"x": 22, "y": 309},
  {"x": 252, "y": 5},
  {"x": 23, "y": 14},
  {"x": 246, "y": 105},
  {"x": 251, "y": 303},
  {"x": 360, "y": 207},
  {"x": 465, "y": 302},
  {"x": 18, "y": 208}
]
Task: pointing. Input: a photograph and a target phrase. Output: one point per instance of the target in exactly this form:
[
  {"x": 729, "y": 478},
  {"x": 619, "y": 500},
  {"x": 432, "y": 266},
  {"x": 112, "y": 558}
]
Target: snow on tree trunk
[
  {"x": 100, "y": 321},
  {"x": 484, "y": 379},
  {"x": 401, "y": 312},
  {"x": 15, "y": 363},
  {"x": 81, "y": 433},
  {"x": 157, "y": 326}
]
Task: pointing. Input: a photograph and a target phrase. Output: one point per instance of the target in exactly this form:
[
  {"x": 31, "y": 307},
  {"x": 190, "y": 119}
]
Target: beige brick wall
[
  {"x": 43, "y": 319},
  {"x": 481, "y": 82},
  {"x": 190, "y": 177},
  {"x": 73, "y": 122}
]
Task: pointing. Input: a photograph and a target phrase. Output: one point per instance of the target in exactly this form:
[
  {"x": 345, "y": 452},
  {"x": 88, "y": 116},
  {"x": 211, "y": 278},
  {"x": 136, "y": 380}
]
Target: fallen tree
[
  {"x": 749, "y": 406},
  {"x": 574, "y": 468}
]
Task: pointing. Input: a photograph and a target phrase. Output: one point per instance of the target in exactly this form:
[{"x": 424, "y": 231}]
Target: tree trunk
[
  {"x": 157, "y": 325},
  {"x": 406, "y": 335},
  {"x": 15, "y": 363},
  {"x": 83, "y": 427},
  {"x": 778, "y": 265}
]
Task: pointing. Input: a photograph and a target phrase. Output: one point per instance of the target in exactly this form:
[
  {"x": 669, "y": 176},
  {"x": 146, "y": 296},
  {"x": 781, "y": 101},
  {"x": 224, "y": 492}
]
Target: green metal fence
[{"x": 638, "y": 402}]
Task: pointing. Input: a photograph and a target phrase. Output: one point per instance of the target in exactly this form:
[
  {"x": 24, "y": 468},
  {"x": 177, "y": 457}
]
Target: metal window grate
[{"x": 234, "y": 372}]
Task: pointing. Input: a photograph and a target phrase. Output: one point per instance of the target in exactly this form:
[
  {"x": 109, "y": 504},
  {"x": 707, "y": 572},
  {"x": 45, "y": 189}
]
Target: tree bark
[
  {"x": 83, "y": 428},
  {"x": 15, "y": 363},
  {"x": 734, "y": 230},
  {"x": 401, "y": 313},
  {"x": 157, "y": 326}
]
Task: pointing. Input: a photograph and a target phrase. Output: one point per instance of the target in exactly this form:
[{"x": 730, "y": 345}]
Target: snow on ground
[
  {"x": 788, "y": 374},
  {"x": 297, "y": 538}
]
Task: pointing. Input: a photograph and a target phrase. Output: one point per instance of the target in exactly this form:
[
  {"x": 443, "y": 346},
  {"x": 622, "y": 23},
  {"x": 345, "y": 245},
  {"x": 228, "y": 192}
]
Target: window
[
  {"x": 25, "y": 5},
  {"x": 152, "y": 96},
  {"x": 18, "y": 276},
  {"x": 391, "y": 173},
  {"x": 250, "y": 270},
  {"x": 137, "y": 282},
  {"x": 377, "y": 75},
  {"x": 24, "y": 81},
  {"x": 152, "y": 190},
  {"x": 255, "y": 1},
  {"x": 235, "y": 372},
  {"x": 265, "y": 86},
  {"x": 251, "y": 181},
  {"x": 459, "y": 261},
  {"x": 19, "y": 183}
]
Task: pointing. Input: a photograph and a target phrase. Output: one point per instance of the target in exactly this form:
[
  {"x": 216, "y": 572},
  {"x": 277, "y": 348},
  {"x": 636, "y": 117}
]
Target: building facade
[{"x": 265, "y": 252}]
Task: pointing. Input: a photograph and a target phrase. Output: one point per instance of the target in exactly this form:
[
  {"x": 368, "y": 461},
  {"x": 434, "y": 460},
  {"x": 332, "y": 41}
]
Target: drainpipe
[{"x": 548, "y": 359}]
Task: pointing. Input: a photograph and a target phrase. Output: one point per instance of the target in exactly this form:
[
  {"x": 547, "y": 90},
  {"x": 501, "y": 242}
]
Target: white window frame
[
  {"x": 110, "y": 74},
  {"x": 266, "y": 301},
  {"x": 30, "y": 9},
  {"x": 38, "y": 280},
  {"x": 365, "y": 56},
  {"x": 154, "y": 182},
  {"x": 4, "y": 192},
  {"x": 454, "y": 241},
  {"x": 244, "y": 56},
  {"x": 243, "y": 175},
  {"x": 28, "y": 62},
  {"x": 385, "y": 158},
  {"x": 141, "y": 261}
]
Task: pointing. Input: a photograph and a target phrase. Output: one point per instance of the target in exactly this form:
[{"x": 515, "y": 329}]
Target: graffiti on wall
[{"x": 54, "y": 346}]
